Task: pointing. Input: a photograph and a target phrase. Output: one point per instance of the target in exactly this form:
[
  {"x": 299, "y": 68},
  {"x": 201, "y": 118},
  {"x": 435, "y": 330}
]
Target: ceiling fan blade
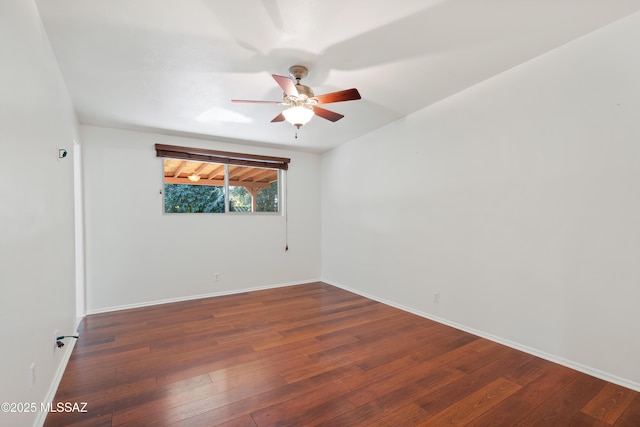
[
  {"x": 286, "y": 84},
  {"x": 255, "y": 102},
  {"x": 278, "y": 118},
  {"x": 326, "y": 114},
  {"x": 342, "y": 95}
]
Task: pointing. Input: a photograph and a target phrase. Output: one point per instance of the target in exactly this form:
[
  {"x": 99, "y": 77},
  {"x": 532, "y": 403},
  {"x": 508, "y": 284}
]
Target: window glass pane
[
  {"x": 253, "y": 189},
  {"x": 193, "y": 187}
]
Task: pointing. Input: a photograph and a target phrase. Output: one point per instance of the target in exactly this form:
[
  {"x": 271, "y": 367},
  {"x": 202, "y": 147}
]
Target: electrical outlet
[
  {"x": 436, "y": 297},
  {"x": 55, "y": 339},
  {"x": 216, "y": 277}
]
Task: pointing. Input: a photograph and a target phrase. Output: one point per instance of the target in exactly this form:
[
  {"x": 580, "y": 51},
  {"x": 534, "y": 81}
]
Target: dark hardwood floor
[{"x": 312, "y": 355}]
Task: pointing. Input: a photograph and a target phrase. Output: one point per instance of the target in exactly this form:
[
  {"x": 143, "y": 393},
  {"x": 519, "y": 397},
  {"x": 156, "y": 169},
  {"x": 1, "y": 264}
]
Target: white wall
[
  {"x": 137, "y": 255},
  {"x": 36, "y": 214},
  {"x": 518, "y": 200}
]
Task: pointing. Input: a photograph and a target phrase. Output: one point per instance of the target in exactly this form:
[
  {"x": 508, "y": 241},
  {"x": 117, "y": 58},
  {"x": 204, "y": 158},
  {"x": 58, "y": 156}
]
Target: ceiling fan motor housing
[{"x": 304, "y": 90}]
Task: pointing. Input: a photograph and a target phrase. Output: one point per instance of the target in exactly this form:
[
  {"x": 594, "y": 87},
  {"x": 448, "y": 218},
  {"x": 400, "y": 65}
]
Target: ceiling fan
[{"x": 302, "y": 103}]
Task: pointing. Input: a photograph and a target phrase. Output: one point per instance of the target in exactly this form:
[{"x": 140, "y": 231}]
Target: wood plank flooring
[{"x": 316, "y": 355}]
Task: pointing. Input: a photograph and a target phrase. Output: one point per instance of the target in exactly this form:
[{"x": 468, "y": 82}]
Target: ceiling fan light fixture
[{"x": 298, "y": 115}]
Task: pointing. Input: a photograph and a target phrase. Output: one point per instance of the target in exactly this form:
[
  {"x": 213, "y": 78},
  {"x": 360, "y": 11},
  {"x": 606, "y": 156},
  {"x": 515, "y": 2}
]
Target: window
[{"x": 209, "y": 181}]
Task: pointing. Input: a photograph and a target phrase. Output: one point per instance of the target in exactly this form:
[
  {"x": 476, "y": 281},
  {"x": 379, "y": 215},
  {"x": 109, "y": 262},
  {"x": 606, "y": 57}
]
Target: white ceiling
[{"x": 173, "y": 66}]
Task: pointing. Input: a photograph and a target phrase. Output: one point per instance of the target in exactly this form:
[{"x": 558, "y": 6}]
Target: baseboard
[
  {"x": 535, "y": 352},
  {"x": 194, "y": 297},
  {"x": 55, "y": 382}
]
